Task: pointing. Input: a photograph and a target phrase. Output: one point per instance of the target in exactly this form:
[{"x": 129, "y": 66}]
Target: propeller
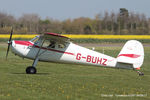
[{"x": 9, "y": 42}]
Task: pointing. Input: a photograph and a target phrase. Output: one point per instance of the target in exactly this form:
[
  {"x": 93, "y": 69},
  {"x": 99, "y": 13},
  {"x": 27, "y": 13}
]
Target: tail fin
[{"x": 131, "y": 55}]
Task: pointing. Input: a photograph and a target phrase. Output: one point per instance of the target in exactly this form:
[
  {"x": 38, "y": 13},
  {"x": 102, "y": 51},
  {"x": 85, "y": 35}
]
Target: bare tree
[{"x": 31, "y": 21}]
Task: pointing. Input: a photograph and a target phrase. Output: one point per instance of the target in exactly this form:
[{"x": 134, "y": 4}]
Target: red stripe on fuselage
[{"x": 129, "y": 55}]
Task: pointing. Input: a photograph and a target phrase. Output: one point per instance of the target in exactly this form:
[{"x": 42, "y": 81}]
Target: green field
[{"x": 72, "y": 82}]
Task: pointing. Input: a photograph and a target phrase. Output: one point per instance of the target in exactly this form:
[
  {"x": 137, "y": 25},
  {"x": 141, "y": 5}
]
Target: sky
[{"x": 64, "y": 9}]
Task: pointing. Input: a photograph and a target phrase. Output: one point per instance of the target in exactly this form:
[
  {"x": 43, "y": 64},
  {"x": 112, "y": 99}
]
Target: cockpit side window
[
  {"x": 46, "y": 43},
  {"x": 49, "y": 44},
  {"x": 52, "y": 44}
]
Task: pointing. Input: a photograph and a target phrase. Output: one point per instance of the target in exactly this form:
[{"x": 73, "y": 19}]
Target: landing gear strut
[{"x": 31, "y": 70}]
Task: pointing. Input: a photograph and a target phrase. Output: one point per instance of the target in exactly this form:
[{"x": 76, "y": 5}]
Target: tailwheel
[
  {"x": 31, "y": 70},
  {"x": 140, "y": 73}
]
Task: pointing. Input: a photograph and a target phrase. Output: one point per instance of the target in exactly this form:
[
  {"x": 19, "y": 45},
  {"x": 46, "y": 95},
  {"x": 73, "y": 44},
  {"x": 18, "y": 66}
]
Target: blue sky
[{"x": 63, "y": 9}]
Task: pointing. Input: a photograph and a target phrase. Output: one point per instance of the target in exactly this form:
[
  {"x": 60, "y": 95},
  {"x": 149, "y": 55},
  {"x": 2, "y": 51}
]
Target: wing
[{"x": 56, "y": 37}]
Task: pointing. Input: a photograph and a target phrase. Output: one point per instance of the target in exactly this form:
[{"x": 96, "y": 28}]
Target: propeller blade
[
  {"x": 11, "y": 35},
  {"x": 9, "y": 42},
  {"x": 7, "y": 50}
]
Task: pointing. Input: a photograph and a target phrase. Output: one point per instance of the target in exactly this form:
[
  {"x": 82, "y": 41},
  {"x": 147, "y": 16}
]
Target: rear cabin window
[{"x": 61, "y": 46}]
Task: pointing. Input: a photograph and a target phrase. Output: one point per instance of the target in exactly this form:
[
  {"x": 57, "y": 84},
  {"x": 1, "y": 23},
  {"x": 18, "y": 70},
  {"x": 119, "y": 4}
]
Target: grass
[{"x": 71, "y": 82}]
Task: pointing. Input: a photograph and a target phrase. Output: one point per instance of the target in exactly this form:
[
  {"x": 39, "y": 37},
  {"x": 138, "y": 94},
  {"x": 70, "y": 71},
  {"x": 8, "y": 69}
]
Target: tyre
[{"x": 31, "y": 70}]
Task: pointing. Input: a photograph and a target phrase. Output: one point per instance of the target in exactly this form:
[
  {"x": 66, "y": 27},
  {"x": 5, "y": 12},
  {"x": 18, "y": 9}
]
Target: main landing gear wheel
[{"x": 31, "y": 70}]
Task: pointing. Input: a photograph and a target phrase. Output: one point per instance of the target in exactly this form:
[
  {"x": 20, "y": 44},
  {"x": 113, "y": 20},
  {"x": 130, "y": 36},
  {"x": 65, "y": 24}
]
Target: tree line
[{"x": 121, "y": 23}]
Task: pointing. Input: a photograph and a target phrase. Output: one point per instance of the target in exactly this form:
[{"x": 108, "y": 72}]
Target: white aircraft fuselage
[{"x": 71, "y": 53}]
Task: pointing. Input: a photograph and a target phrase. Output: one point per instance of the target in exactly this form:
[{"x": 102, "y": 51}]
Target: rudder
[{"x": 131, "y": 55}]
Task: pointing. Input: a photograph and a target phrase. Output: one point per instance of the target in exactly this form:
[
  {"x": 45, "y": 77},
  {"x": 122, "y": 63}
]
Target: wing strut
[
  {"x": 32, "y": 69},
  {"x": 37, "y": 55}
]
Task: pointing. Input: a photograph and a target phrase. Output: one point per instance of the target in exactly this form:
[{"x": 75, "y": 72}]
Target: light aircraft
[{"x": 53, "y": 47}]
